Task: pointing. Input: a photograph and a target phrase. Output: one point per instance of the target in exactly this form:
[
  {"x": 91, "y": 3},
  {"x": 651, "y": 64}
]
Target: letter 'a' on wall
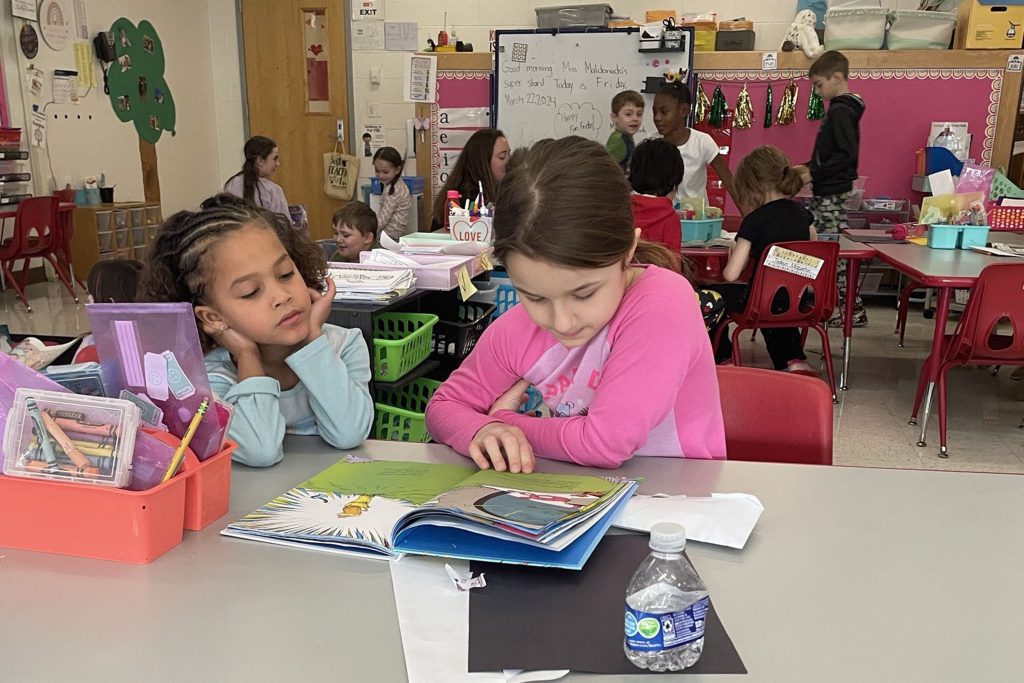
[{"x": 138, "y": 91}]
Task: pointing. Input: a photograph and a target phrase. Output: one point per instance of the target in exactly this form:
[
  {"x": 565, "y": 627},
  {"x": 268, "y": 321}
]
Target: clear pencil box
[{"x": 66, "y": 437}]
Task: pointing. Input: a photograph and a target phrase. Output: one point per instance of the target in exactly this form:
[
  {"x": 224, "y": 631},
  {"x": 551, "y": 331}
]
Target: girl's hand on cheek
[
  {"x": 320, "y": 309},
  {"x": 235, "y": 342}
]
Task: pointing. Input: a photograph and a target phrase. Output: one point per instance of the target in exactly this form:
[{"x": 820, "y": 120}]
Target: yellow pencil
[{"x": 179, "y": 454}]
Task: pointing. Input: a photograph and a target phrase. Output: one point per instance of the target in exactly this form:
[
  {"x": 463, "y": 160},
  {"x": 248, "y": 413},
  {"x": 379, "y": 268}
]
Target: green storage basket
[
  {"x": 399, "y": 412},
  {"x": 401, "y": 341}
]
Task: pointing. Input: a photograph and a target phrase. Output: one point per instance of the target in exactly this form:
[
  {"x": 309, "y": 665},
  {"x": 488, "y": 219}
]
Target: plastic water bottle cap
[{"x": 668, "y": 537}]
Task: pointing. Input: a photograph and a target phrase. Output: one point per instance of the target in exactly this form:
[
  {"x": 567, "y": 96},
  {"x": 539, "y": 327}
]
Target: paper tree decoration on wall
[{"x": 138, "y": 91}]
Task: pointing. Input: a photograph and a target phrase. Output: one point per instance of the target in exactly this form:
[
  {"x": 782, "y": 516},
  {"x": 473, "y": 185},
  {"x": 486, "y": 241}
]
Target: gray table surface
[
  {"x": 916, "y": 260},
  {"x": 851, "y": 575}
]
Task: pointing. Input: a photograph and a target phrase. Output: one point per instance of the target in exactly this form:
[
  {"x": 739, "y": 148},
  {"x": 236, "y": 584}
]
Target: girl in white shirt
[
  {"x": 253, "y": 182},
  {"x": 698, "y": 150}
]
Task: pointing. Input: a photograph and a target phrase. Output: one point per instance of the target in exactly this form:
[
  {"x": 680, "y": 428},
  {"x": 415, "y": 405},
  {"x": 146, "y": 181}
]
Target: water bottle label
[{"x": 648, "y": 632}]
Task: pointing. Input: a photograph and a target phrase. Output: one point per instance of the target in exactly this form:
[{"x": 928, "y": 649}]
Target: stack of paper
[
  {"x": 1000, "y": 249},
  {"x": 364, "y": 284}
]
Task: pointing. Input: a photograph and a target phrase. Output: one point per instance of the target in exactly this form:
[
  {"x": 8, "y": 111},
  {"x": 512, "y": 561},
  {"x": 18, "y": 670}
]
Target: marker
[{"x": 179, "y": 454}]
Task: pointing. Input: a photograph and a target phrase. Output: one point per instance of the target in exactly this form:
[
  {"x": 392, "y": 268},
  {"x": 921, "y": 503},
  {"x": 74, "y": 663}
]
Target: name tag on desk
[{"x": 793, "y": 262}]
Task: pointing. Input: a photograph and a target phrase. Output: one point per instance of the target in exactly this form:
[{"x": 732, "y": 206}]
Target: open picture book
[{"x": 383, "y": 509}]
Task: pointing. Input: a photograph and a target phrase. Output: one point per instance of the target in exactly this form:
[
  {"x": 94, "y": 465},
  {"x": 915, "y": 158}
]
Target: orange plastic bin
[{"x": 208, "y": 487}]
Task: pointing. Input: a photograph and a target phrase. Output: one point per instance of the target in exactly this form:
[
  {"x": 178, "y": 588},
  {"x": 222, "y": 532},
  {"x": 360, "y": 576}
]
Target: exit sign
[{"x": 363, "y": 10}]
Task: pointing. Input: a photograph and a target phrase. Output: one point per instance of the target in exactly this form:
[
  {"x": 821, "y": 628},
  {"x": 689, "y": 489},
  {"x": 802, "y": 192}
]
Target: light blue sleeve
[
  {"x": 257, "y": 425},
  {"x": 337, "y": 377}
]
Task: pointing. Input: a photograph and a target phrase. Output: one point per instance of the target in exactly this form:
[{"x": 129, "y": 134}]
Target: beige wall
[
  {"x": 200, "y": 46},
  {"x": 472, "y": 20}
]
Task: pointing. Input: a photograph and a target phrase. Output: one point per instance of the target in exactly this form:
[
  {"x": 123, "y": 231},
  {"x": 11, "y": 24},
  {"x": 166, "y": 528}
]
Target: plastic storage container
[
  {"x": 701, "y": 231},
  {"x": 573, "y": 16},
  {"x": 459, "y": 328},
  {"x": 855, "y": 199},
  {"x": 208, "y": 483},
  {"x": 506, "y": 296},
  {"x": 944, "y": 236},
  {"x": 735, "y": 36},
  {"x": 855, "y": 29},
  {"x": 920, "y": 30},
  {"x": 399, "y": 412},
  {"x": 66, "y": 437},
  {"x": 973, "y": 236},
  {"x": 401, "y": 341}
]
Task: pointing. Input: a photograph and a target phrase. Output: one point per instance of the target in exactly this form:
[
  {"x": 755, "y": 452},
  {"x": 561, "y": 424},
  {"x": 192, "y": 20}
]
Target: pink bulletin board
[
  {"x": 901, "y": 105},
  {"x": 456, "y": 90}
]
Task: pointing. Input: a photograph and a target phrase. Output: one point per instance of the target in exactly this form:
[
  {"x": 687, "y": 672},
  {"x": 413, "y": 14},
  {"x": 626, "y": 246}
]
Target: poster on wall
[
  {"x": 420, "y": 79},
  {"x": 373, "y": 138},
  {"x": 26, "y": 9},
  {"x": 54, "y": 24}
]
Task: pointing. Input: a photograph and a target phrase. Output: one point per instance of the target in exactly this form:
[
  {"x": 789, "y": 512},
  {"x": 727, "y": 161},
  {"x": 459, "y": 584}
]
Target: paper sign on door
[{"x": 793, "y": 262}]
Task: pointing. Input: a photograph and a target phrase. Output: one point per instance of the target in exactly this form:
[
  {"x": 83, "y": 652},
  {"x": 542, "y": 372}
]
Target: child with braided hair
[{"x": 256, "y": 288}]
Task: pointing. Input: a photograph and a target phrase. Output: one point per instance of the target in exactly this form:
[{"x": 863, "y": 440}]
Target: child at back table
[
  {"x": 395, "y": 198},
  {"x": 355, "y": 231},
  {"x": 656, "y": 172},
  {"x": 698, "y": 150},
  {"x": 833, "y": 165},
  {"x": 114, "y": 281},
  {"x": 255, "y": 285},
  {"x": 627, "y": 115},
  {"x": 617, "y": 349},
  {"x": 765, "y": 182}
]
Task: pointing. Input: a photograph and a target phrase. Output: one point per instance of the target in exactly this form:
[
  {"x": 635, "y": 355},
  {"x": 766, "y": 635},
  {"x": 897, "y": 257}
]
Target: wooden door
[{"x": 296, "y": 71}]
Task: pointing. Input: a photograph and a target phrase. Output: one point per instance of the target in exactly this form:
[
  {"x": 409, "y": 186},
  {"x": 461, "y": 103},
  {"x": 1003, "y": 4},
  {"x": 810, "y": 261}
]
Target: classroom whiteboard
[{"x": 553, "y": 84}]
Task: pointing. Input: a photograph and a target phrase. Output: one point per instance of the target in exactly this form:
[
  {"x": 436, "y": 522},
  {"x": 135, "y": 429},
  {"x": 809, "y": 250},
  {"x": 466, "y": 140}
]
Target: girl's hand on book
[
  {"x": 320, "y": 309},
  {"x": 503, "y": 446},
  {"x": 512, "y": 399}
]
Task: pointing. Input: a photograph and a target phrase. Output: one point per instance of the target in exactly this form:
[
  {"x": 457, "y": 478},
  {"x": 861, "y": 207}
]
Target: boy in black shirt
[{"x": 833, "y": 165}]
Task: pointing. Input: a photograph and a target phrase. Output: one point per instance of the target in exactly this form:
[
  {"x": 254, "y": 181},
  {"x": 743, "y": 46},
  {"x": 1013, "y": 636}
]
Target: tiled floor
[{"x": 871, "y": 427}]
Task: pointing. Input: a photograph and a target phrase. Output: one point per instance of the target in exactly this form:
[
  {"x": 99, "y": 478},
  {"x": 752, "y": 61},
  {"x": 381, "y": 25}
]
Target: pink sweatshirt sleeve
[
  {"x": 657, "y": 348},
  {"x": 459, "y": 407}
]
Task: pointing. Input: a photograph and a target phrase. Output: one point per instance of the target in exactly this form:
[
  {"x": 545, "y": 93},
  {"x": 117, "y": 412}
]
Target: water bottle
[
  {"x": 949, "y": 140},
  {"x": 666, "y": 606}
]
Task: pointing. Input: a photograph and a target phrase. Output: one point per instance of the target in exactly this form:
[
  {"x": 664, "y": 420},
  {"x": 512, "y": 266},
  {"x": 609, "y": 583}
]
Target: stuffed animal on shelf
[{"x": 801, "y": 35}]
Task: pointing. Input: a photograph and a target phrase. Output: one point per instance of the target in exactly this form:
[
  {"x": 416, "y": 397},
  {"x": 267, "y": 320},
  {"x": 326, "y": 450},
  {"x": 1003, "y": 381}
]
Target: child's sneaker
[
  {"x": 801, "y": 367},
  {"x": 860, "y": 319}
]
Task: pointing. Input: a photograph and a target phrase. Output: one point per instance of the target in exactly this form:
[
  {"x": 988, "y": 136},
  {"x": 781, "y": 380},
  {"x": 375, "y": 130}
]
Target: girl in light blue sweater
[{"x": 256, "y": 288}]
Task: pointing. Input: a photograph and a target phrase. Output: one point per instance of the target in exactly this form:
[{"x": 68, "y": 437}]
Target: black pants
[{"x": 783, "y": 343}]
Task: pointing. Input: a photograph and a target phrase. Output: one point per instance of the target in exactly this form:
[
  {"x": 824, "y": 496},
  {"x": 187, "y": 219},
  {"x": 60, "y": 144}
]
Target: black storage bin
[{"x": 734, "y": 41}]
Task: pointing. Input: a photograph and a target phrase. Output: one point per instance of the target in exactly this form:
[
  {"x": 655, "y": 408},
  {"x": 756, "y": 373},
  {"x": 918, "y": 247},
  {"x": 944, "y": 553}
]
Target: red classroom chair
[
  {"x": 37, "y": 234},
  {"x": 998, "y": 297},
  {"x": 775, "y": 416},
  {"x": 768, "y": 282}
]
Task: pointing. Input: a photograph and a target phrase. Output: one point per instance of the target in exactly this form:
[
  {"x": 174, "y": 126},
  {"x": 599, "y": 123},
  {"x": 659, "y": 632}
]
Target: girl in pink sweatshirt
[{"x": 618, "y": 350}]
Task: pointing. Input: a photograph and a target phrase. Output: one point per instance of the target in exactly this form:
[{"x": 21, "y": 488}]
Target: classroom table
[
  {"x": 851, "y": 574},
  {"x": 711, "y": 261},
  {"x": 66, "y": 209},
  {"x": 944, "y": 270}
]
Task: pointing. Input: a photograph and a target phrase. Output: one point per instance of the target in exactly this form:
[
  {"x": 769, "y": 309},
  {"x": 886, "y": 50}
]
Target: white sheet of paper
[
  {"x": 420, "y": 79},
  {"x": 368, "y": 35},
  {"x": 793, "y": 262},
  {"x": 434, "y": 619},
  {"x": 941, "y": 183},
  {"x": 26, "y": 9},
  {"x": 723, "y": 519},
  {"x": 1010, "y": 201},
  {"x": 401, "y": 35}
]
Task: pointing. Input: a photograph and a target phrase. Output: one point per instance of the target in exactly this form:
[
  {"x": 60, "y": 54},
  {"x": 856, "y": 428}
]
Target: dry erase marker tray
[
  {"x": 115, "y": 524},
  {"x": 67, "y": 437}
]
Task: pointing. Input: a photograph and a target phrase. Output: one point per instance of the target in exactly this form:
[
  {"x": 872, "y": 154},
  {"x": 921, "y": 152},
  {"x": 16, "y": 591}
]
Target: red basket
[
  {"x": 1006, "y": 218},
  {"x": 10, "y": 139}
]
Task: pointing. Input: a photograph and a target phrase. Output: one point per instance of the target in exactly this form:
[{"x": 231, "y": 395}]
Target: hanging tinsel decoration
[
  {"x": 719, "y": 108},
  {"x": 787, "y": 108},
  {"x": 768, "y": 108},
  {"x": 703, "y": 106},
  {"x": 815, "y": 107},
  {"x": 744, "y": 117}
]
